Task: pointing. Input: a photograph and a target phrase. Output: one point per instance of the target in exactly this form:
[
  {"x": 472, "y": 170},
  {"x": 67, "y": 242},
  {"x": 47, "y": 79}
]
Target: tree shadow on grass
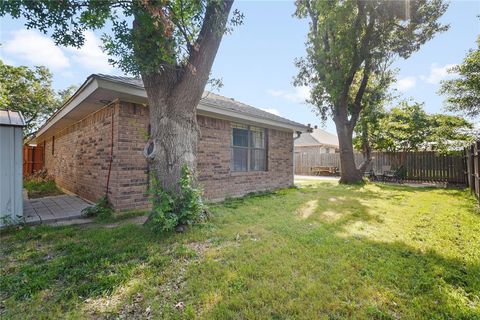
[
  {"x": 421, "y": 284},
  {"x": 308, "y": 273},
  {"x": 71, "y": 263},
  {"x": 428, "y": 278},
  {"x": 355, "y": 276},
  {"x": 343, "y": 204}
]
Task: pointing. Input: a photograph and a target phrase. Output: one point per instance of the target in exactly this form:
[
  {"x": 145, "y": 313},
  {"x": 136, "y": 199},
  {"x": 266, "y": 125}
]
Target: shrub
[
  {"x": 103, "y": 209},
  {"x": 172, "y": 210}
]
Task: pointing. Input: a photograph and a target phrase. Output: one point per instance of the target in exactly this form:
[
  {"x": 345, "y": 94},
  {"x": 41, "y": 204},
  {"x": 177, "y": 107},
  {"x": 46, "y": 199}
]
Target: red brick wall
[
  {"x": 214, "y": 162},
  {"x": 82, "y": 153},
  {"x": 131, "y": 169}
]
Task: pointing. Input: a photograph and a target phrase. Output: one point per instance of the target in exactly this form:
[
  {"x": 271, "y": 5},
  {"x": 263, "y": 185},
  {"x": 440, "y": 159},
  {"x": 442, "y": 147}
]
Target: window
[{"x": 248, "y": 148}]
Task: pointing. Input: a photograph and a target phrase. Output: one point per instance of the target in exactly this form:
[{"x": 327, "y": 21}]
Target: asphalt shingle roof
[
  {"x": 317, "y": 137},
  {"x": 212, "y": 99}
]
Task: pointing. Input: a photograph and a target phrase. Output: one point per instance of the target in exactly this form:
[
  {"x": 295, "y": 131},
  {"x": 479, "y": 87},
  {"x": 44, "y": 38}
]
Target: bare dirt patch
[
  {"x": 331, "y": 215},
  {"x": 307, "y": 209}
]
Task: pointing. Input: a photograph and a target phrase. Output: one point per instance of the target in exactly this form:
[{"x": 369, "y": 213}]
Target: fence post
[{"x": 476, "y": 169}]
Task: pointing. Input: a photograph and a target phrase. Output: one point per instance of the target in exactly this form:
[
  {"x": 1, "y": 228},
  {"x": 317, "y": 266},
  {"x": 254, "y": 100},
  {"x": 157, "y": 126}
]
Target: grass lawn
[{"x": 319, "y": 251}]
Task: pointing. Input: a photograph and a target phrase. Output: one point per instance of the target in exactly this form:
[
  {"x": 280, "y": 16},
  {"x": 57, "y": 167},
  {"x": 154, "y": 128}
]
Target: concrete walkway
[
  {"x": 51, "y": 210},
  {"x": 415, "y": 184},
  {"x": 316, "y": 178}
]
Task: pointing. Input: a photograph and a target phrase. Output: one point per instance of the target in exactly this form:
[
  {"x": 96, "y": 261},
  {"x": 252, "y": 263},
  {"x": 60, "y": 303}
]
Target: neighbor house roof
[
  {"x": 317, "y": 137},
  {"x": 100, "y": 89},
  {"x": 11, "y": 118}
]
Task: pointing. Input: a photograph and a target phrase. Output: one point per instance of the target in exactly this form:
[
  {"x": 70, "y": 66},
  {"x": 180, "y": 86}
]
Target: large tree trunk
[
  {"x": 173, "y": 95},
  {"x": 349, "y": 171},
  {"x": 173, "y": 135}
]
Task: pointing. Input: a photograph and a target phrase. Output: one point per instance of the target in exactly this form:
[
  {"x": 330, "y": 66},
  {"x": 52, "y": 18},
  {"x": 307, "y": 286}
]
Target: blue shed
[{"x": 11, "y": 181}]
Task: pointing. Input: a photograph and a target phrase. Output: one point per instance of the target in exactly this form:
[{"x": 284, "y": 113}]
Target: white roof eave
[
  {"x": 82, "y": 93},
  {"x": 92, "y": 84}
]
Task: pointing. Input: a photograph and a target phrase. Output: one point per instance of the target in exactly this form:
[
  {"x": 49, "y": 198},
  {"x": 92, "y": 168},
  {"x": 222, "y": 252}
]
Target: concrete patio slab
[{"x": 52, "y": 210}]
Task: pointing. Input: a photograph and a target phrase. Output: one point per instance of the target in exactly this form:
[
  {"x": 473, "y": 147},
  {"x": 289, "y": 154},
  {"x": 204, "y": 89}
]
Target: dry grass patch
[{"x": 307, "y": 209}]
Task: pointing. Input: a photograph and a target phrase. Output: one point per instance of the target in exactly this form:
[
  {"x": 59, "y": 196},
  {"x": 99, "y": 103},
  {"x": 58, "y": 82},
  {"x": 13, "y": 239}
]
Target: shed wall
[{"x": 11, "y": 183}]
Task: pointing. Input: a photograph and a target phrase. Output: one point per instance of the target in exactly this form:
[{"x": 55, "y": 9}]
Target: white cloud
[
  {"x": 299, "y": 94},
  {"x": 405, "y": 83},
  {"x": 272, "y": 110},
  {"x": 90, "y": 55},
  {"x": 36, "y": 48},
  {"x": 437, "y": 73}
]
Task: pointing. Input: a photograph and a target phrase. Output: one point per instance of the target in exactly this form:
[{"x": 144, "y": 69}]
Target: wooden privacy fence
[
  {"x": 472, "y": 166},
  {"x": 32, "y": 159},
  {"x": 421, "y": 166}
]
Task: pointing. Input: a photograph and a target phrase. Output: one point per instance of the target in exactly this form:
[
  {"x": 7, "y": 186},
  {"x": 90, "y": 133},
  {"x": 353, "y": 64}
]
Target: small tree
[
  {"x": 408, "y": 127},
  {"x": 171, "y": 44},
  {"x": 352, "y": 39},
  {"x": 450, "y": 133},
  {"x": 376, "y": 95},
  {"x": 463, "y": 93},
  {"x": 405, "y": 128},
  {"x": 30, "y": 91}
]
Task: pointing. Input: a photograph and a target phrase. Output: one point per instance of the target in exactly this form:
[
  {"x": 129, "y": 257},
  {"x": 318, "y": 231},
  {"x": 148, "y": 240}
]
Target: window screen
[{"x": 248, "y": 148}]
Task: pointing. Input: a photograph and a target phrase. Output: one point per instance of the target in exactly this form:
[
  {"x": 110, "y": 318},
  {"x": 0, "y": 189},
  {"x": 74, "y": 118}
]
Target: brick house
[{"x": 97, "y": 139}]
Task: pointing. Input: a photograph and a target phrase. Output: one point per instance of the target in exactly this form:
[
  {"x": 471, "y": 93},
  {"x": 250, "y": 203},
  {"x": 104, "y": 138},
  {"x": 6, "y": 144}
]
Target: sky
[{"x": 255, "y": 62}]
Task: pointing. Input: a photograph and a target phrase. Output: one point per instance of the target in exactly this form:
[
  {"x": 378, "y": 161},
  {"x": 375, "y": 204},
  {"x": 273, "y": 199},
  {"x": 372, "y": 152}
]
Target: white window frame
[{"x": 249, "y": 148}]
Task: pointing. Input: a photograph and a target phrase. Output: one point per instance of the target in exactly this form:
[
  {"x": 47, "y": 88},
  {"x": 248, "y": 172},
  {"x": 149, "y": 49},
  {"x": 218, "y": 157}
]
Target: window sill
[{"x": 247, "y": 173}]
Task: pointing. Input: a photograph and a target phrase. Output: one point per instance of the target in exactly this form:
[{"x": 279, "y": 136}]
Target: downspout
[{"x": 299, "y": 133}]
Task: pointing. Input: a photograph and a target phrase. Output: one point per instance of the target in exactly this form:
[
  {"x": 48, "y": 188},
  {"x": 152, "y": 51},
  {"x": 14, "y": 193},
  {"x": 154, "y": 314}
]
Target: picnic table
[
  {"x": 330, "y": 170},
  {"x": 387, "y": 174}
]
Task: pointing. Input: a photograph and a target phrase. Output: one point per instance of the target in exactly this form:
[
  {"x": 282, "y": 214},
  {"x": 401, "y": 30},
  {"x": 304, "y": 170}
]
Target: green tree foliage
[
  {"x": 408, "y": 127},
  {"x": 29, "y": 90},
  {"x": 404, "y": 128},
  {"x": 463, "y": 93},
  {"x": 448, "y": 133},
  {"x": 354, "y": 38}
]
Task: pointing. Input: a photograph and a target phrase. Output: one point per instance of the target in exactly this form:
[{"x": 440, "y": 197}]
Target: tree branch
[
  {"x": 195, "y": 74},
  {"x": 357, "y": 107},
  {"x": 313, "y": 16},
  {"x": 357, "y": 58},
  {"x": 181, "y": 27}
]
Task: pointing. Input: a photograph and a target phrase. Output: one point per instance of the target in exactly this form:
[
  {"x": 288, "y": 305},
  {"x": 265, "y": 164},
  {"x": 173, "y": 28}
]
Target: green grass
[
  {"x": 41, "y": 188},
  {"x": 319, "y": 251}
]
